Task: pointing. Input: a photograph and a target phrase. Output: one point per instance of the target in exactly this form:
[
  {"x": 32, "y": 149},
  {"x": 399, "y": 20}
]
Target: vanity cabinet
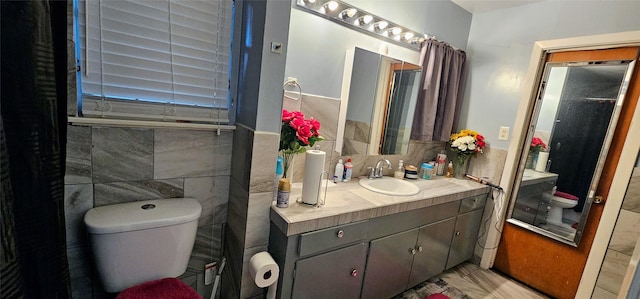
[
  {"x": 403, "y": 260},
  {"x": 530, "y": 206},
  {"x": 379, "y": 257}
]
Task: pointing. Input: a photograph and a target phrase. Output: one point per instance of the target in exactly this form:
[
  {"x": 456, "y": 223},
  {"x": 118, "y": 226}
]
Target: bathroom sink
[{"x": 389, "y": 186}]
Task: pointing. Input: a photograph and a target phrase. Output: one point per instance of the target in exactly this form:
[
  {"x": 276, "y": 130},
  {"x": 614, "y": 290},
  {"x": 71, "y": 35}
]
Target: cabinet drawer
[
  {"x": 472, "y": 203},
  {"x": 320, "y": 240}
]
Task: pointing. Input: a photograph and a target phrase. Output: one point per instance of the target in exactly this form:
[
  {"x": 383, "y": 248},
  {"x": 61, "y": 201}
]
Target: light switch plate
[{"x": 504, "y": 133}]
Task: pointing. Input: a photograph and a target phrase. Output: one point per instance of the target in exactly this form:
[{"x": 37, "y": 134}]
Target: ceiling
[{"x": 478, "y": 6}]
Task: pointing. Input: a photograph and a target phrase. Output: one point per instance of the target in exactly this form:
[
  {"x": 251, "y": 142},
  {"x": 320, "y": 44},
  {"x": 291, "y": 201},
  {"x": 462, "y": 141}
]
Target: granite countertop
[
  {"x": 349, "y": 202},
  {"x": 531, "y": 177}
]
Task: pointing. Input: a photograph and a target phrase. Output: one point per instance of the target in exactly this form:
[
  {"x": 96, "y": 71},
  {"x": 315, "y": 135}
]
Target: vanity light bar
[{"x": 360, "y": 20}]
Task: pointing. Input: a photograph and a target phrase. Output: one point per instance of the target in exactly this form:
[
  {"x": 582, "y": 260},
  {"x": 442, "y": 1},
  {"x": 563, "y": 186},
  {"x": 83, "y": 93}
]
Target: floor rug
[{"x": 433, "y": 286}]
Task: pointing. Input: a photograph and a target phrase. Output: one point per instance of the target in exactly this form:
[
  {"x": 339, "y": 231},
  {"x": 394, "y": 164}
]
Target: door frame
[{"x": 622, "y": 173}]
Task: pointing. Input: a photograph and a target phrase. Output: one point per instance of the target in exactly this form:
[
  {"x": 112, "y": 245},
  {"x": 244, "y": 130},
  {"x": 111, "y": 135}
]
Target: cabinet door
[
  {"x": 389, "y": 265},
  {"x": 432, "y": 249},
  {"x": 336, "y": 274},
  {"x": 464, "y": 237}
]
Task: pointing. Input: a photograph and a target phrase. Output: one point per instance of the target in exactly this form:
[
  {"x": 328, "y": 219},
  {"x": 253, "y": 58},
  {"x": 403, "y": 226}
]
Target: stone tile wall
[
  {"x": 623, "y": 241},
  {"x": 114, "y": 165}
]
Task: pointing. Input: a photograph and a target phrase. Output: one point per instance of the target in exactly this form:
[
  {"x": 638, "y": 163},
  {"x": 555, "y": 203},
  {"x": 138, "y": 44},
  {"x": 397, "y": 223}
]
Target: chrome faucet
[{"x": 376, "y": 172}]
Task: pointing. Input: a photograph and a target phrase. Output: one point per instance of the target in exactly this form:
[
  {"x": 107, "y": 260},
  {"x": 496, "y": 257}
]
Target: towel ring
[{"x": 292, "y": 82}]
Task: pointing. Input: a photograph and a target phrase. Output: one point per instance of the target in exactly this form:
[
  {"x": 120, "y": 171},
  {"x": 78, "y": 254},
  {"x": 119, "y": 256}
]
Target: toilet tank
[{"x": 142, "y": 241}]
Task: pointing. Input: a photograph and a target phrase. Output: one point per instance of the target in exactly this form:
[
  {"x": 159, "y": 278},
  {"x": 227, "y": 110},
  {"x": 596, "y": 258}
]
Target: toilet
[
  {"x": 142, "y": 241},
  {"x": 557, "y": 203}
]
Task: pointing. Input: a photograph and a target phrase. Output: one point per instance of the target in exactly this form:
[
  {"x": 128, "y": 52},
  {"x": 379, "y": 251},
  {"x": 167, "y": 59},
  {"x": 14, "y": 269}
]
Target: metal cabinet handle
[
  {"x": 340, "y": 233},
  {"x": 419, "y": 248},
  {"x": 457, "y": 233},
  {"x": 412, "y": 251},
  {"x": 354, "y": 272}
]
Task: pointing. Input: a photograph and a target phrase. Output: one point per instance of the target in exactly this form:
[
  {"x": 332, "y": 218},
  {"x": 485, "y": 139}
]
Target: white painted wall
[
  {"x": 500, "y": 45},
  {"x": 317, "y": 47}
]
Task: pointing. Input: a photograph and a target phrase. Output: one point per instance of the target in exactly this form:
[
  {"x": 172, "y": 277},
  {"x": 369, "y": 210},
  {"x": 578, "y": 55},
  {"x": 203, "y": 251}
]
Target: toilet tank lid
[{"x": 139, "y": 215}]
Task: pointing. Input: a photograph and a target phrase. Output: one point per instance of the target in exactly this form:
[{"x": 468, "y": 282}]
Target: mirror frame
[{"x": 531, "y": 123}]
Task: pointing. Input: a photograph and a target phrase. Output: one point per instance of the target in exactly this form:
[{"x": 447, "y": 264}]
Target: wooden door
[{"x": 549, "y": 265}]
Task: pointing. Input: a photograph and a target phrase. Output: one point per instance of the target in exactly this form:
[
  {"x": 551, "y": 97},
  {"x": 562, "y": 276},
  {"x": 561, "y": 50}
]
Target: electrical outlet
[
  {"x": 504, "y": 133},
  {"x": 209, "y": 273}
]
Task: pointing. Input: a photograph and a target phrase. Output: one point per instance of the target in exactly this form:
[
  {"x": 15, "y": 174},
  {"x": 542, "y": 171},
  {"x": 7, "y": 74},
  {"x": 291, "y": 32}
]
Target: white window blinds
[{"x": 155, "y": 59}]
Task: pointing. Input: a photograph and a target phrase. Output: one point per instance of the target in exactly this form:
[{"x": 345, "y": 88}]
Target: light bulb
[
  {"x": 332, "y": 5},
  {"x": 408, "y": 35},
  {"x": 366, "y": 19},
  {"x": 395, "y": 30},
  {"x": 348, "y": 13},
  {"x": 381, "y": 25}
]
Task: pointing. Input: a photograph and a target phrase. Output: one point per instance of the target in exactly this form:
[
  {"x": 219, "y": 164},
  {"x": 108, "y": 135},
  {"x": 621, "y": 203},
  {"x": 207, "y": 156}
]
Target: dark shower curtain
[{"x": 33, "y": 259}]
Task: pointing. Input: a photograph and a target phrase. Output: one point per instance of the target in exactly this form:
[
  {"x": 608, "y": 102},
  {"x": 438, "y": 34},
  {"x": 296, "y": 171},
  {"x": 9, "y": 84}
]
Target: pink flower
[
  {"x": 289, "y": 115},
  {"x": 297, "y": 123},
  {"x": 315, "y": 125},
  {"x": 297, "y": 132},
  {"x": 304, "y": 131}
]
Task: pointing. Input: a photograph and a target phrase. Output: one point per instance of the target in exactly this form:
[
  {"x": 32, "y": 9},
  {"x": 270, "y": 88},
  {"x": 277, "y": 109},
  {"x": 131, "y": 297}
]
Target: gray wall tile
[
  {"x": 213, "y": 195},
  {"x": 632, "y": 197},
  {"x": 119, "y": 192},
  {"x": 78, "y": 199},
  {"x": 263, "y": 162},
  {"x": 122, "y": 154},
  {"x": 80, "y": 272},
  {"x": 201, "y": 253},
  {"x": 182, "y": 153},
  {"x": 238, "y": 208},
  {"x": 241, "y": 159},
  {"x": 257, "y": 231},
  {"x": 325, "y": 110},
  {"x": 78, "y": 161}
]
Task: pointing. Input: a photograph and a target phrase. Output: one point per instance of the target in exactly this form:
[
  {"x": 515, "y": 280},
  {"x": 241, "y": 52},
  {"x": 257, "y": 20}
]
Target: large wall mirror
[
  {"x": 569, "y": 135},
  {"x": 382, "y": 93}
]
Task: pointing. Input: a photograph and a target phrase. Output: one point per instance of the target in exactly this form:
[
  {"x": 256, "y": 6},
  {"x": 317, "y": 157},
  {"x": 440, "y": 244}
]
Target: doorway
[{"x": 590, "y": 256}]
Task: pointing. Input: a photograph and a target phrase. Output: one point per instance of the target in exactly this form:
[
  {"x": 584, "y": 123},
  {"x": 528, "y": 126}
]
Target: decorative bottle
[{"x": 399, "y": 173}]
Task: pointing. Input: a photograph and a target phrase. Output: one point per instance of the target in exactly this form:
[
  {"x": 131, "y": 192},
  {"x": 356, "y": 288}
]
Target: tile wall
[
  {"x": 114, "y": 165},
  {"x": 622, "y": 244}
]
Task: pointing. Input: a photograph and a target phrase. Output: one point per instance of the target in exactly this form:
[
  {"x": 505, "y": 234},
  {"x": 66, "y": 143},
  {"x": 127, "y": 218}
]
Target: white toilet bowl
[{"x": 556, "y": 206}]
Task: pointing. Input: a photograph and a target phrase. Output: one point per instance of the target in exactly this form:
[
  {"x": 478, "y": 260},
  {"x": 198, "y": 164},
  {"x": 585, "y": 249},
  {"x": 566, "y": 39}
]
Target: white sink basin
[{"x": 390, "y": 186}]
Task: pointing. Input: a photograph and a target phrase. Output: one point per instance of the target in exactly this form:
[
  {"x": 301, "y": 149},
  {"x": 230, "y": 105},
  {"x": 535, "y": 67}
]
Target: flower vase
[
  {"x": 531, "y": 160},
  {"x": 287, "y": 161},
  {"x": 460, "y": 166}
]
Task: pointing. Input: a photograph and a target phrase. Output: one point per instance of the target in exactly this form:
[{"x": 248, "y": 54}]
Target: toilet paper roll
[
  {"x": 541, "y": 165},
  {"x": 263, "y": 269},
  {"x": 313, "y": 168}
]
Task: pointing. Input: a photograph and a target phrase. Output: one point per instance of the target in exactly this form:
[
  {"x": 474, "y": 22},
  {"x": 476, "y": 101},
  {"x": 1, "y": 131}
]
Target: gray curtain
[
  {"x": 33, "y": 260},
  {"x": 440, "y": 98}
]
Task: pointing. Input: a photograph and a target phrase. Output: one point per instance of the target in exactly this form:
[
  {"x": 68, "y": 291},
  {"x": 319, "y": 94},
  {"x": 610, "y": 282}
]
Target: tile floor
[{"x": 480, "y": 283}]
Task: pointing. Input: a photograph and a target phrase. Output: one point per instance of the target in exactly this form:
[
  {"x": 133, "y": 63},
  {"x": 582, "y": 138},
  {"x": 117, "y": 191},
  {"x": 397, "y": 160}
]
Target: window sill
[{"x": 110, "y": 122}]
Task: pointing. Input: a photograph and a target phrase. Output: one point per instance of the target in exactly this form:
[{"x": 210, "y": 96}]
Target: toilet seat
[{"x": 167, "y": 288}]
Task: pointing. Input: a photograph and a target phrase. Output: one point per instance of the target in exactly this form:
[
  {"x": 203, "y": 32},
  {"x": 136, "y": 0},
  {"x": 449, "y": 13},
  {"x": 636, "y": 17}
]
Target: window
[{"x": 155, "y": 59}]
